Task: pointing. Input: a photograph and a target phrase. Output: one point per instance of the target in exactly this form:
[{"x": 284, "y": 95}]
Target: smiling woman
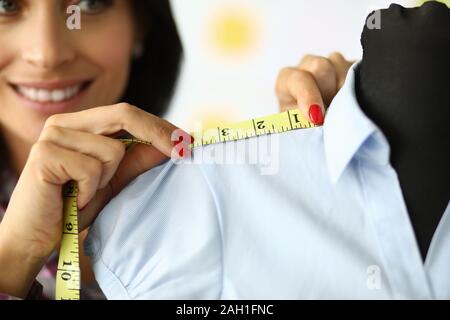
[
  {"x": 124, "y": 51},
  {"x": 47, "y": 68},
  {"x": 59, "y": 113}
]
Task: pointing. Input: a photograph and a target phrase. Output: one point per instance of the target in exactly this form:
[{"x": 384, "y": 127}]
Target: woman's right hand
[
  {"x": 79, "y": 146},
  {"x": 312, "y": 84}
]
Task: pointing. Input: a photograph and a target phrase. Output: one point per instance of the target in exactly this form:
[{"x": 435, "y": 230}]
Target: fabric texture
[{"x": 329, "y": 223}]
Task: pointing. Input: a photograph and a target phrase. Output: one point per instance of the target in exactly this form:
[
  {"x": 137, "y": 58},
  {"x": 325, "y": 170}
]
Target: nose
[{"x": 47, "y": 45}]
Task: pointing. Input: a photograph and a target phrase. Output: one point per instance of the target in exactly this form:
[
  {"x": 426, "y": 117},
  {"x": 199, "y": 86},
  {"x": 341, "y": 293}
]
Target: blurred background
[{"x": 234, "y": 50}]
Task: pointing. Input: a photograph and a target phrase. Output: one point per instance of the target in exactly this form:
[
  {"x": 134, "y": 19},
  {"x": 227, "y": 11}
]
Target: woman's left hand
[
  {"x": 80, "y": 147},
  {"x": 312, "y": 85}
]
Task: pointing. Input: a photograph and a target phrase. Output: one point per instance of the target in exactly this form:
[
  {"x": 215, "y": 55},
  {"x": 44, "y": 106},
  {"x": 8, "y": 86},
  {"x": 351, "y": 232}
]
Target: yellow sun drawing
[{"x": 233, "y": 31}]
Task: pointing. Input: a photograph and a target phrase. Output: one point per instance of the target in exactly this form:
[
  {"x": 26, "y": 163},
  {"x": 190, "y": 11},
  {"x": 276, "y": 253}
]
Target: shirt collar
[{"x": 347, "y": 129}]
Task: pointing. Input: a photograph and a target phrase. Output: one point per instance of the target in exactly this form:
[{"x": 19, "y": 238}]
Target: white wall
[{"x": 235, "y": 49}]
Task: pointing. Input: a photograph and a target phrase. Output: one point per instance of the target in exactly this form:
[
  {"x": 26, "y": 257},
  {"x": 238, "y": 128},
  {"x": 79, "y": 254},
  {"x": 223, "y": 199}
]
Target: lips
[
  {"x": 51, "y": 96},
  {"x": 43, "y": 95},
  {"x": 43, "y": 92}
]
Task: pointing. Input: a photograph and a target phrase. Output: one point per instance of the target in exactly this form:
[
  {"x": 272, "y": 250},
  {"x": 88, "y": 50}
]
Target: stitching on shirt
[
  {"x": 401, "y": 199},
  {"x": 98, "y": 257},
  {"x": 370, "y": 208},
  {"x": 115, "y": 277},
  {"x": 220, "y": 226},
  {"x": 165, "y": 167}
]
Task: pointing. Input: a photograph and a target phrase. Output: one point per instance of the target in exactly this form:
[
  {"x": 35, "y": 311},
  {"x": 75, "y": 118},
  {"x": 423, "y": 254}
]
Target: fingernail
[
  {"x": 316, "y": 114},
  {"x": 181, "y": 152},
  {"x": 180, "y": 139},
  {"x": 175, "y": 143}
]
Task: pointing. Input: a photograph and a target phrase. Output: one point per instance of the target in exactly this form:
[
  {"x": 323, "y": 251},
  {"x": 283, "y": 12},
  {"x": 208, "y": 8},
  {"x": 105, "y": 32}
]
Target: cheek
[
  {"x": 20, "y": 122},
  {"x": 111, "y": 55},
  {"x": 17, "y": 120},
  {"x": 9, "y": 41}
]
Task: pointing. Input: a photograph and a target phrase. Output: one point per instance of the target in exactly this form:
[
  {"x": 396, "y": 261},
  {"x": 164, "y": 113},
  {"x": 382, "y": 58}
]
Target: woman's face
[{"x": 46, "y": 68}]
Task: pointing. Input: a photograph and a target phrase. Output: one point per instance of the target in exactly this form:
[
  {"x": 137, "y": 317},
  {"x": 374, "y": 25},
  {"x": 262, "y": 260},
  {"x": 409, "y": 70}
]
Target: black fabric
[{"x": 403, "y": 85}]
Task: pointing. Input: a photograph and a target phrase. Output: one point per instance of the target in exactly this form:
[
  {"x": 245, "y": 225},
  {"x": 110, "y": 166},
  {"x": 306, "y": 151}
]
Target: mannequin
[{"x": 403, "y": 85}]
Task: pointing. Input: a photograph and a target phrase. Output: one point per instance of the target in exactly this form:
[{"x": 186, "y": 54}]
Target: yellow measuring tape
[{"x": 68, "y": 278}]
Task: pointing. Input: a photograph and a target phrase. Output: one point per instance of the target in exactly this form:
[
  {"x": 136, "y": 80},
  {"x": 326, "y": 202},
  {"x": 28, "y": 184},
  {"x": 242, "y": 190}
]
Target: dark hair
[{"x": 154, "y": 76}]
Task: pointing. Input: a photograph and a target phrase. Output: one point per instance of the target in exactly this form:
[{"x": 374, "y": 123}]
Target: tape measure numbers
[
  {"x": 278, "y": 123},
  {"x": 68, "y": 277}
]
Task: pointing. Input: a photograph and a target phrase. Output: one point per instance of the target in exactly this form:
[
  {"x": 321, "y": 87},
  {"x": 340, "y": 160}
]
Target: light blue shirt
[{"x": 331, "y": 223}]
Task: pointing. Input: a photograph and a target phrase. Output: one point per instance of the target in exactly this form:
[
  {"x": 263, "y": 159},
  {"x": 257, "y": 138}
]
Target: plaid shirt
[{"x": 46, "y": 276}]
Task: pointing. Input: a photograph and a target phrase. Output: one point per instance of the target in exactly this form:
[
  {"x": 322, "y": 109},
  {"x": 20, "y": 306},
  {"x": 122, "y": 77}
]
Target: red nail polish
[
  {"x": 316, "y": 115},
  {"x": 181, "y": 152},
  {"x": 192, "y": 139}
]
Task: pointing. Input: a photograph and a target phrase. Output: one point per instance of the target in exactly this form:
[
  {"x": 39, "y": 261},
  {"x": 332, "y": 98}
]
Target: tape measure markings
[{"x": 68, "y": 282}]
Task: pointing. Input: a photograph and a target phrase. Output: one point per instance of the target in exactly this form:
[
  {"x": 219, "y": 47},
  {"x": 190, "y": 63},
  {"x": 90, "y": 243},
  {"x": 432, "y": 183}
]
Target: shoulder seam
[{"x": 219, "y": 226}]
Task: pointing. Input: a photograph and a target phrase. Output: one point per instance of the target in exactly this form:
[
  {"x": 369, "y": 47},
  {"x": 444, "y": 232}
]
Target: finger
[
  {"x": 107, "y": 150},
  {"x": 324, "y": 73},
  {"x": 298, "y": 87},
  {"x": 342, "y": 66},
  {"x": 138, "y": 160},
  {"x": 109, "y": 120},
  {"x": 57, "y": 165}
]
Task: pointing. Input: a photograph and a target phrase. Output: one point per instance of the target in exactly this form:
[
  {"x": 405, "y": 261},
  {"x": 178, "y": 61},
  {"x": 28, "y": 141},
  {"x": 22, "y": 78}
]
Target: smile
[
  {"x": 42, "y": 95},
  {"x": 56, "y": 95},
  {"x": 51, "y": 97}
]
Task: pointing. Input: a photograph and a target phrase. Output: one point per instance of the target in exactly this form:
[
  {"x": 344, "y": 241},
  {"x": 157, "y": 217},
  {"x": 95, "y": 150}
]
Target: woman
[{"x": 59, "y": 114}]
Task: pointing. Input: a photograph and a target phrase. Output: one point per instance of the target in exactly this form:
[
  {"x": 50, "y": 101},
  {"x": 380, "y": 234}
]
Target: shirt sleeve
[{"x": 159, "y": 238}]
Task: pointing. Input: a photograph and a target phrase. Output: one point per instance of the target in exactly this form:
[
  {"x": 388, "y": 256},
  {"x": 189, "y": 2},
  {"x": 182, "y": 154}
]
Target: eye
[
  {"x": 94, "y": 6},
  {"x": 8, "y": 7}
]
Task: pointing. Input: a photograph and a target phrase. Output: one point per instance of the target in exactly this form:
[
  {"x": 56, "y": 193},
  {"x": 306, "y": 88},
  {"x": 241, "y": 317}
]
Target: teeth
[{"x": 42, "y": 95}]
